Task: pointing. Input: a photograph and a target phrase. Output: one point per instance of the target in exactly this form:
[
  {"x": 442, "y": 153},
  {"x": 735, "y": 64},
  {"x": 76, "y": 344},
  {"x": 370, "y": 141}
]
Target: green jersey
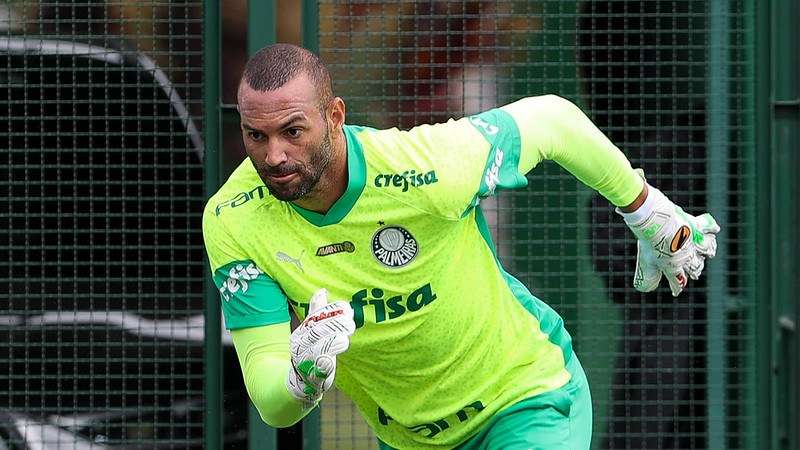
[{"x": 445, "y": 337}]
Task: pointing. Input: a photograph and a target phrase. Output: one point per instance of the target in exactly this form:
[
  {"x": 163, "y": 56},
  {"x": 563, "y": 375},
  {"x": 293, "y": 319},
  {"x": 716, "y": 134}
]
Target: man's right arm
[
  {"x": 263, "y": 354},
  {"x": 255, "y": 310}
]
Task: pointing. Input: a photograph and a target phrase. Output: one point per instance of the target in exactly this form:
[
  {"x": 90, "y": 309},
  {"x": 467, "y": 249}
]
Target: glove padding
[
  {"x": 671, "y": 243},
  {"x": 314, "y": 344}
]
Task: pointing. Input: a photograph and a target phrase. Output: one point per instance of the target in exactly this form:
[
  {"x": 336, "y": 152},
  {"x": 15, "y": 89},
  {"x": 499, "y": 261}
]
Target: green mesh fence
[
  {"x": 101, "y": 317},
  {"x": 669, "y": 82}
]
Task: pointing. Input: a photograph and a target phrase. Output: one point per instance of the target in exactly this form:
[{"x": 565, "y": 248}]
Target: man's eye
[
  {"x": 255, "y": 135},
  {"x": 293, "y": 132}
]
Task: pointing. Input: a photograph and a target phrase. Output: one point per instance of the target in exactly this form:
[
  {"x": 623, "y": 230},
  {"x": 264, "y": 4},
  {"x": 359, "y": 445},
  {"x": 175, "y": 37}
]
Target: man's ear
[{"x": 336, "y": 116}]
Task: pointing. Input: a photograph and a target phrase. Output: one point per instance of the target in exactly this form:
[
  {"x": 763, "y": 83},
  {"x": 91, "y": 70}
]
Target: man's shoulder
[
  {"x": 423, "y": 150},
  {"x": 421, "y": 137}
]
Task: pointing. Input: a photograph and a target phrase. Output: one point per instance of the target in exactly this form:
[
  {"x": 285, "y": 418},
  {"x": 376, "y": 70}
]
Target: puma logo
[
  {"x": 680, "y": 238},
  {"x": 283, "y": 257}
]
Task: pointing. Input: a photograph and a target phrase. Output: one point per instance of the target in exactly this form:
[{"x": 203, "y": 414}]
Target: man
[{"x": 436, "y": 344}]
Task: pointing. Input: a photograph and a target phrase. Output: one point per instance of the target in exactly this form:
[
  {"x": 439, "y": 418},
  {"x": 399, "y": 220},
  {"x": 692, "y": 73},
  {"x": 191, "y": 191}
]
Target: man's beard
[{"x": 308, "y": 175}]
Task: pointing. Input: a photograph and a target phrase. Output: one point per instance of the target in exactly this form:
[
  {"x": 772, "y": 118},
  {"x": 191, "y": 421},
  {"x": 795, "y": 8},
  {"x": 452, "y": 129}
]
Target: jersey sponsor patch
[
  {"x": 502, "y": 163},
  {"x": 393, "y": 246},
  {"x": 249, "y": 296},
  {"x": 403, "y": 180},
  {"x": 429, "y": 430},
  {"x": 257, "y": 193},
  {"x": 234, "y": 279},
  {"x": 379, "y": 305},
  {"x": 492, "y": 175},
  {"x": 339, "y": 247}
]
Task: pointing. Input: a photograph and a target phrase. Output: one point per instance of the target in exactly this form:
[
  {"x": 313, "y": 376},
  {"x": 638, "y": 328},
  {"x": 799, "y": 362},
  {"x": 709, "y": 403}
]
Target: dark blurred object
[
  {"x": 104, "y": 183},
  {"x": 658, "y": 396},
  {"x": 19, "y": 432},
  {"x": 643, "y": 68},
  {"x": 102, "y": 312}
]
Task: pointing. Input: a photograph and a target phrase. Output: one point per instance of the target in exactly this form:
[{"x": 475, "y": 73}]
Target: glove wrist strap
[{"x": 645, "y": 210}]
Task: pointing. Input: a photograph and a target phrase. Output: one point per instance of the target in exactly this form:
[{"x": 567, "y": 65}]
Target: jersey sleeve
[
  {"x": 249, "y": 296},
  {"x": 501, "y": 169},
  {"x": 495, "y": 150},
  {"x": 553, "y": 128},
  {"x": 264, "y": 358}
]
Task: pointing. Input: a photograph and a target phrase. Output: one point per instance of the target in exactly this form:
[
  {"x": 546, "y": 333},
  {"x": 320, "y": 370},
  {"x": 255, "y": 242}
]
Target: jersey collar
[{"x": 356, "y": 179}]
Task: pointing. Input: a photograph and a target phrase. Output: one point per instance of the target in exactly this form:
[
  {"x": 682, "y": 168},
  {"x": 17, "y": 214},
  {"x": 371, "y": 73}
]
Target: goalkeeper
[{"x": 376, "y": 241}]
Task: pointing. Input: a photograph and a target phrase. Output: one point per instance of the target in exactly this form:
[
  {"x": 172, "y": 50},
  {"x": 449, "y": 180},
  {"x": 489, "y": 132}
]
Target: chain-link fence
[
  {"x": 102, "y": 317},
  {"x": 668, "y": 82}
]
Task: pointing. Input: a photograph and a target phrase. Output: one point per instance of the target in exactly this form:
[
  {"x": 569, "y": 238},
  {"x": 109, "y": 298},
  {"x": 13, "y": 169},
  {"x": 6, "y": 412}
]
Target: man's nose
[{"x": 276, "y": 154}]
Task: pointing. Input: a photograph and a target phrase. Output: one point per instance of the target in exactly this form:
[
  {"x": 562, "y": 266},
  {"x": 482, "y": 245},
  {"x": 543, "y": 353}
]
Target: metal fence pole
[
  {"x": 764, "y": 329},
  {"x": 718, "y": 157},
  {"x": 261, "y": 31},
  {"x": 785, "y": 214},
  {"x": 261, "y": 24},
  {"x": 310, "y": 25},
  {"x": 752, "y": 399},
  {"x": 211, "y": 132}
]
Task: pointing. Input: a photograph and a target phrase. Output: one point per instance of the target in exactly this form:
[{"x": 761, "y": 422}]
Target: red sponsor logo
[{"x": 324, "y": 315}]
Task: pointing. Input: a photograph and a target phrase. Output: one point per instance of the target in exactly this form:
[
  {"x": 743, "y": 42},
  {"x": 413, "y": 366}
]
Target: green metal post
[
  {"x": 718, "y": 158},
  {"x": 764, "y": 329},
  {"x": 312, "y": 437},
  {"x": 261, "y": 31},
  {"x": 261, "y": 24},
  {"x": 752, "y": 399},
  {"x": 211, "y": 134},
  {"x": 259, "y": 435},
  {"x": 785, "y": 215},
  {"x": 310, "y": 25}
]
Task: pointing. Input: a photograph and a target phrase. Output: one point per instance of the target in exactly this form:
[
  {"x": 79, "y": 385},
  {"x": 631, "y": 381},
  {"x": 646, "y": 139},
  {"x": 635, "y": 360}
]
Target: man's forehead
[
  {"x": 297, "y": 92},
  {"x": 255, "y": 109}
]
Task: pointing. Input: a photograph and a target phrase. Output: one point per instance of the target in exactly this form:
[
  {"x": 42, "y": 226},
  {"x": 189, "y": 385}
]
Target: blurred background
[{"x": 118, "y": 120}]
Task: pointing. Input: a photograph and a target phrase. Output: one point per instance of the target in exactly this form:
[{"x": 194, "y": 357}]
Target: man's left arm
[
  {"x": 671, "y": 242},
  {"x": 553, "y": 128}
]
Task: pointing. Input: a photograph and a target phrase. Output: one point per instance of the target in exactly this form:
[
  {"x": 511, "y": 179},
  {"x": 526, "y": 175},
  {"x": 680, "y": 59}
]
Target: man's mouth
[{"x": 283, "y": 177}]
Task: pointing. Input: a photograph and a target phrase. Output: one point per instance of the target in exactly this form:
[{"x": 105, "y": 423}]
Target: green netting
[
  {"x": 101, "y": 317},
  {"x": 668, "y": 81}
]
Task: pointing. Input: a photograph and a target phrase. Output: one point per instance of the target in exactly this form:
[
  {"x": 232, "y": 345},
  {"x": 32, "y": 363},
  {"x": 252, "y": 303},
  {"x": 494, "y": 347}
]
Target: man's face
[{"x": 286, "y": 136}]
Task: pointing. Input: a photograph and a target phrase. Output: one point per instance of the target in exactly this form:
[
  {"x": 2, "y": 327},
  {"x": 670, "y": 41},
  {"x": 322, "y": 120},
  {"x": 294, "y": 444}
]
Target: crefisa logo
[{"x": 394, "y": 246}]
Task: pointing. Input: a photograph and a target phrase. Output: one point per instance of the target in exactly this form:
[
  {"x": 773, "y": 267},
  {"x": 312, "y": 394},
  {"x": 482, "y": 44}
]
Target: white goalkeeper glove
[
  {"x": 670, "y": 242},
  {"x": 314, "y": 344}
]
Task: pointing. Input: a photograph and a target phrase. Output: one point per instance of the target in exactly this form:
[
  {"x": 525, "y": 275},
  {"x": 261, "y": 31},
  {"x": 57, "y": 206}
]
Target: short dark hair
[{"x": 277, "y": 64}]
